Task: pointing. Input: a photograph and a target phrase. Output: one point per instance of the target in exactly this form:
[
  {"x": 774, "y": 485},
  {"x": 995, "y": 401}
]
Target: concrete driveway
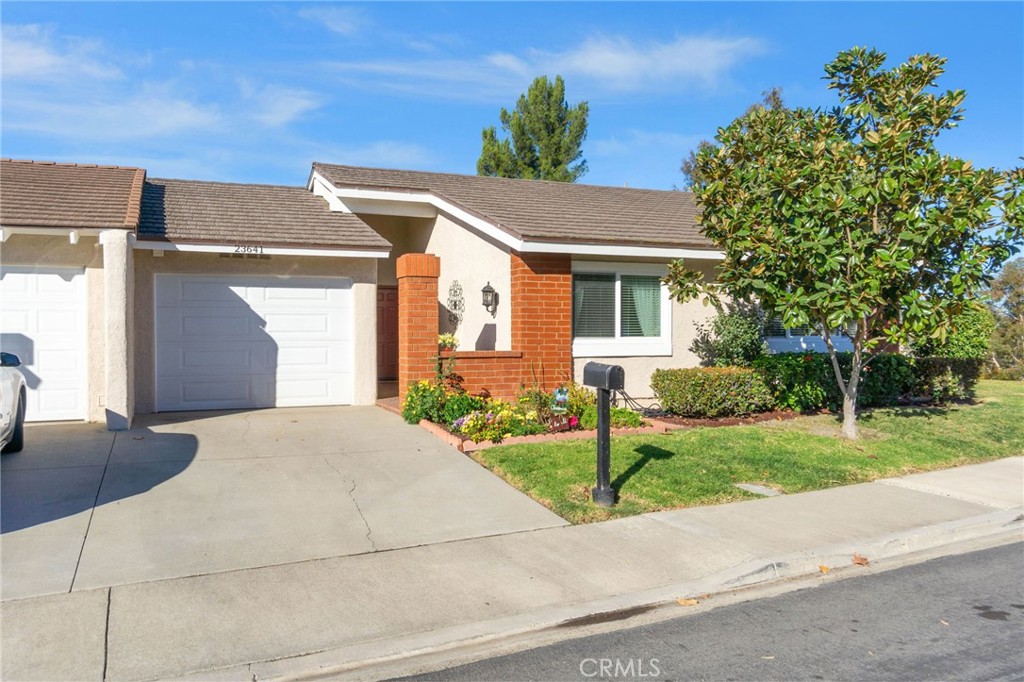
[{"x": 195, "y": 493}]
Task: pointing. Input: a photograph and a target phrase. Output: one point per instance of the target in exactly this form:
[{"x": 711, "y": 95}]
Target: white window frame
[{"x": 626, "y": 346}]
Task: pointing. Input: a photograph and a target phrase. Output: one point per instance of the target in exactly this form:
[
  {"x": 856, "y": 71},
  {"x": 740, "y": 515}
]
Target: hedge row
[
  {"x": 806, "y": 381},
  {"x": 711, "y": 391}
]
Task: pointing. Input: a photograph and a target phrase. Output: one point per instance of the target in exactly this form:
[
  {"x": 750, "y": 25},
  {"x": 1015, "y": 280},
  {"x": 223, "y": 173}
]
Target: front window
[
  {"x": 773, "y": 328},
  {"x": 620, "y": 311}
]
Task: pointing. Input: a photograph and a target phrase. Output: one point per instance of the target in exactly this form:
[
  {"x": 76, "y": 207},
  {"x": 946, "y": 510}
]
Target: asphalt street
[{"x": 954, "y": 618}]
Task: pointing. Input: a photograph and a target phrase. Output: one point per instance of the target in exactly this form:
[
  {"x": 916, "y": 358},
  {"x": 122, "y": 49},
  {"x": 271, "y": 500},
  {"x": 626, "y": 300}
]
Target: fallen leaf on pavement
[
  {"x": 943, "y": 622},
  {"x": 823, "y": 568},
  {"x": 687, "y": 602},
  {"x": 860, "y": 560}
]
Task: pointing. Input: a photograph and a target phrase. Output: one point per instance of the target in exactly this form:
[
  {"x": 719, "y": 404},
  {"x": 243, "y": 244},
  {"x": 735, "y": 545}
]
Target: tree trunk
[
  {"x": 850, "y": 415},
  {"x": 848, "y": 388}
]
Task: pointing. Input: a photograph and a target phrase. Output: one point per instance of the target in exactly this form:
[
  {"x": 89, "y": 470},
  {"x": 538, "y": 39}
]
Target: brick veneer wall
[
  {"x": 542, "y": 317},
  {"x": 498, "y": 373},
  {"x": 417, "y": 317},
  {"x": 541, "y": 300}
]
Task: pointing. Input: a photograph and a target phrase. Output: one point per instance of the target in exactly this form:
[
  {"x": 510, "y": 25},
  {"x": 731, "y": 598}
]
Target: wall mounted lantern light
[{"x": 490, "y": 299}]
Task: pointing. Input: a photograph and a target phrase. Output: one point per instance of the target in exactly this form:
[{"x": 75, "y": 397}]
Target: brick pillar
[
  {"x": 542, "y": 316},
  {"x": 417, "y": 317}
]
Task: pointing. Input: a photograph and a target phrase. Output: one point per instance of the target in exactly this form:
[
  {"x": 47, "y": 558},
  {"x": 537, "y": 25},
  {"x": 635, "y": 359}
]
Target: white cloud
[
  {"x": 32, "y": 52},
  {"x": 598, "y": 65},
  {"x": 276, "y": 105},
  {"x": 346, "y": 21},
  {"x": 380, "y": 153},
  {"x": 154, "y": 112},
  {"x": 624, "y": 65},
  {"x": 631, "y": 141}
]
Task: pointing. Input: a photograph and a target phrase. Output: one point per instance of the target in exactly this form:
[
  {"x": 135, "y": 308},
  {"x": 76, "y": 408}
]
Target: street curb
[{"x": 358, "y": 661}]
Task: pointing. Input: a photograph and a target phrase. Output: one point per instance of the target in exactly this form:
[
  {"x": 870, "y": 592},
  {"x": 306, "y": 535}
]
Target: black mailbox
[{"x": 599, "y": 375}]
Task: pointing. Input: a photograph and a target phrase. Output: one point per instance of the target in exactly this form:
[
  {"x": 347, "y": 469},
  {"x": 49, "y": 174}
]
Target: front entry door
[{"x": 387, "y": 333}]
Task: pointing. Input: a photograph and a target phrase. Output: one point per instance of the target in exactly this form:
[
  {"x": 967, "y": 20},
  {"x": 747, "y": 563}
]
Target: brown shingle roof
[
  {"x": 548, "y": 211},
  {"x": 47, "y": 194},
  {"x": 269, "y": 215}
]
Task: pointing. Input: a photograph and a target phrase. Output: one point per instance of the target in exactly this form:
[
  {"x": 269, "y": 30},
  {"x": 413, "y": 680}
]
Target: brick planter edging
[{"x": 465, "y": 445}]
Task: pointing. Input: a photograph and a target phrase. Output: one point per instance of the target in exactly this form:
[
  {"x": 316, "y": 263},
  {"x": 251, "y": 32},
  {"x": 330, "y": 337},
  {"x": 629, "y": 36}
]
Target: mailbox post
[{"x": 604, "y": 378}]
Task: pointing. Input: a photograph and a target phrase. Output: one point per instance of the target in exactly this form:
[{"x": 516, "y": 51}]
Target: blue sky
[{"x": 253, "y": 92}]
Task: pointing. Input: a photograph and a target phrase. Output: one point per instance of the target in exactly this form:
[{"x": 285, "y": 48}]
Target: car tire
[{"x": 18, "y": 434}]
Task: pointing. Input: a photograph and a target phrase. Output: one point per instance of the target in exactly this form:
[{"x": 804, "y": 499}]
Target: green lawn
[{"x": 700, "y": 466}]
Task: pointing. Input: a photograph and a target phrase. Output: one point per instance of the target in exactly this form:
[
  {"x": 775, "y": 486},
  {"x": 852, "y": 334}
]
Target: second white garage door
[{"x": 230, "y": 342}]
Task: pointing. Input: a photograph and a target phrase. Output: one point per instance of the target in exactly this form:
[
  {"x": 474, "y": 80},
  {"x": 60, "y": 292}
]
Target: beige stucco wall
[
  {"x": 58, "y": 251},
  {"x": 467, "y": 257},
  {"x": 407, "y": 235},
  {"x": 362, "y": 272},
  {"x": 685, "y": 318},
  {"x": 473, "y": 260}
]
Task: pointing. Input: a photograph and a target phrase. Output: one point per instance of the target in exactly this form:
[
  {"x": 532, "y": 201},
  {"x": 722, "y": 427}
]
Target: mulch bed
[{"x": 777, "y": 415}]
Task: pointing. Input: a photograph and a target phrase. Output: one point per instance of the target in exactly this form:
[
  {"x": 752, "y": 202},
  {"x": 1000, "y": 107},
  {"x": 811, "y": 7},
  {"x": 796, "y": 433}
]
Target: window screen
[
  {"x": 641, "y": 306},
  {"x": 773, "y": 327},
  {"x": 593, "y": 305}
]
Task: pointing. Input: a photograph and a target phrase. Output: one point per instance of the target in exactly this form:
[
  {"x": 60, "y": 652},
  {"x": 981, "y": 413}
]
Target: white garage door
[
  {"x": 231, "y": 342},
  {"x": 43, "y": 321}
]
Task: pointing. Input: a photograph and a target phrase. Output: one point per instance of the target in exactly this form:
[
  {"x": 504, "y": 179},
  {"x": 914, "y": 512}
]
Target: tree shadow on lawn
[
  {"x": 906, "y": 412},
  {"x": 647, "y": 454}
]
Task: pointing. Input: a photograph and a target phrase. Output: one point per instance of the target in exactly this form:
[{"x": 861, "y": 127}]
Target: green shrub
[
  {"x": 459, "y": 405},
  {"x": 733, "y": 338},
  {"x": 806, "y": 381},
  {"x": 536, "y": 400},
  {"x": 798, "y": 381},
  {"x": 711, "y": 391},
  {"x": 580, "y": 397},
  {"x": 1007, "y": 374},
  {"x": 945, "y": 379},
  {"x": 424, "y": 400},
  {"x": 969, "y": 338},
  {"x": 620, "y": 418}
]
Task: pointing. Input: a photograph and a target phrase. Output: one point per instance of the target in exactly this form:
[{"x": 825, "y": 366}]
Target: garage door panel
[
  {"x": 182, "y": 360},
  {"x": 252, "y": 342},
  {"x": 43, "y": 321},
  {"x": 219, "y": 325}
]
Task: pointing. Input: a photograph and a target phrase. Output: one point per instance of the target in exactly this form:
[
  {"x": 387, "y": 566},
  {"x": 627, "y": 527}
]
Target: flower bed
[
  {"x": 466, "y": 445},
  {"x": 470, "y": 422}
]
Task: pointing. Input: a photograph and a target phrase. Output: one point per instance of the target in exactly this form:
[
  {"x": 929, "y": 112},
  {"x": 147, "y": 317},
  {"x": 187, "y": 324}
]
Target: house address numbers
[{"x": 245, "y": 248}]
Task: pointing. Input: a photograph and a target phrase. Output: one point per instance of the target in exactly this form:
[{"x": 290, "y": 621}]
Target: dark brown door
[{"x": 387, "y": 333}]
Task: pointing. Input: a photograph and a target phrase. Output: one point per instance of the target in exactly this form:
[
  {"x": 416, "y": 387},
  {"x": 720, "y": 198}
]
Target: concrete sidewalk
[{"x": 333, "y": 614}]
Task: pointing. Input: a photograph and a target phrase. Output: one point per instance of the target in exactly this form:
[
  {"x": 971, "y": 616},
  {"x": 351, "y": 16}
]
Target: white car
[{"x": 12, "y": 404}]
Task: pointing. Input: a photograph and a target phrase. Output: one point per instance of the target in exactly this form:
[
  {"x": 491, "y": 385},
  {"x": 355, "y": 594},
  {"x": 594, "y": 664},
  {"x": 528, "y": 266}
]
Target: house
[{"x": 127, "y": 294}]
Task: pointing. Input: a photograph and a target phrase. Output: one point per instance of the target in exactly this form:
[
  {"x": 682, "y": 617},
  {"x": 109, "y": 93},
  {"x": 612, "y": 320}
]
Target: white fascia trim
[
  {"x": 72, "y": 233},
  {"x": 620, "y": 251},
  {"x": 321, "y": 188},
  {"x": 426, "y": 198},
  {"x": 496, "y": 233},
  {"x": 266, "y": 250}
]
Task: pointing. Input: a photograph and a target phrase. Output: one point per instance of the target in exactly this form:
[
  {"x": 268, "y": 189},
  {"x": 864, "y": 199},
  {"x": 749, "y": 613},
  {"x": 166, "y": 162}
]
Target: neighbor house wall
[
  {"x": 58, "y": 251},
  {"x": 362, "y": 272}
]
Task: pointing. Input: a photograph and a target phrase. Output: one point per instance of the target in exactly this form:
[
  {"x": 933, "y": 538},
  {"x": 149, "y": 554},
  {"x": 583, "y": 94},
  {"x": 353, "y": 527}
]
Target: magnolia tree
[{"x": 849, "y": 219}]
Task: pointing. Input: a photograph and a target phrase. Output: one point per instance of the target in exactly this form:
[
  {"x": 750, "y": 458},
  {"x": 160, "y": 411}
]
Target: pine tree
[{"x": 542, "y": 138}]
